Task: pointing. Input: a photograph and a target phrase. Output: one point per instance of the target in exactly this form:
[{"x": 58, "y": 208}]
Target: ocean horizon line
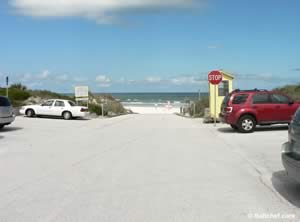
[{"x": 139, "y": 92}]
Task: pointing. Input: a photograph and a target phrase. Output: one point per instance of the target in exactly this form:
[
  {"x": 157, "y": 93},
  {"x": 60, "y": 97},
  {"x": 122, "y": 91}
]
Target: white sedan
[{"x": 55, "y": 107}]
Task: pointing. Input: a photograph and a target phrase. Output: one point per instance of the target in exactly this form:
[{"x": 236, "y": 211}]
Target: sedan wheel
[
  {"x": 30, "y": 113},
  {"x": 67, "y": 115}
]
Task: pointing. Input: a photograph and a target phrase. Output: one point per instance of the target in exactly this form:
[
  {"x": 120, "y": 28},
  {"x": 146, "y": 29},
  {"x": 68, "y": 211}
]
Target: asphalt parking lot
[
  {"x": 142, "y": 168},
  {"x": 262, "y": 149}
]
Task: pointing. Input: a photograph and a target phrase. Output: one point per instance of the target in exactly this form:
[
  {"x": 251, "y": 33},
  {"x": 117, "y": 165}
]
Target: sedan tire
[
  {"x": 67, "y": 115},
  {"x": 30, "y": 113}
]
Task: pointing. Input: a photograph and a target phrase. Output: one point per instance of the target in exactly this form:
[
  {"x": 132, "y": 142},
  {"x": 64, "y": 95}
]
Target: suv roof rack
[{"x": 250, "y": 90}]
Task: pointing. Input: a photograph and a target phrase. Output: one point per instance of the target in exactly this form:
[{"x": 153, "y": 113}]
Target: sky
[{"x": 148, "y": 45}]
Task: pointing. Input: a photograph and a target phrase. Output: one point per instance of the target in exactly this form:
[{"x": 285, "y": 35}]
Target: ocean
[{"x": 152, "y": 99}]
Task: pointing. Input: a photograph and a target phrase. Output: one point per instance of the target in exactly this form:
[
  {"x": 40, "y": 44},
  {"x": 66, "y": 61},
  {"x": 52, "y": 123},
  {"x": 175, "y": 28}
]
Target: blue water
[
  {"x": 151, "y": 99},
  {"x": 157, "y": 97}
]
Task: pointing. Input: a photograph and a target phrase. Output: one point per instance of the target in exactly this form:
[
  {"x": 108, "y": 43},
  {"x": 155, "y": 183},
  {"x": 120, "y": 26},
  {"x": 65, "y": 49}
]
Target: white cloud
[
  {"x": 256, "y": 77},
  {"x": 79, "y": 79},
  {"x": 62, "y": 78},
  {"x": 103, "y": 78},
  {"x": 34, "y": 84},
  {"x": 27, "y": 77},
  {"x": 44, "y": 75},
  {"x": 121, "y": 80},
  {"x": 214, "y": 46},
  {"x": 265, "y": 76},
  {"x": 132, "y": 81},
  {"x": 153, "y": 79},
  {"x": 103, "y": 11},
  {"x": 186, "y": 80},
  {"x": 103, "y": 81}
]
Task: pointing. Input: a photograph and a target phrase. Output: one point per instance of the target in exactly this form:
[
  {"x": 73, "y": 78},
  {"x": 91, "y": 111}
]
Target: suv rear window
[
  {"x": 240, "y": 99},
  {"x": 4, "y": 101},
  {"x": 226, "y": 99}
]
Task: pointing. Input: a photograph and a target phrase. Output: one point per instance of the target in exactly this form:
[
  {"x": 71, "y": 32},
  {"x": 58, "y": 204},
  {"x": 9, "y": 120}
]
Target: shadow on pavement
[
  {"x": 1, "y": 137},
  {"x": 258, "y": 129},
  {"x": 272, "y": 128},
  {"x": 9, "y": 129},
  {"x": 227, "y": 130},
  {"x": 61, "y": 118},
  {"x": 287, "y": 187}
]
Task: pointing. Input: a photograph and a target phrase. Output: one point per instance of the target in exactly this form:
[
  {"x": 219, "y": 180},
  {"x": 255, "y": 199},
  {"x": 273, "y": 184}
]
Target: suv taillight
[
  {"x": 84, "y": 110},
  {"x": 228, "y": 109}
]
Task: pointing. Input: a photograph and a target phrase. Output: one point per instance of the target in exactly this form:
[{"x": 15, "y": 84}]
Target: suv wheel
[
  {"x": 246, "y": 124},
  {"x": 234, "y": 127}
]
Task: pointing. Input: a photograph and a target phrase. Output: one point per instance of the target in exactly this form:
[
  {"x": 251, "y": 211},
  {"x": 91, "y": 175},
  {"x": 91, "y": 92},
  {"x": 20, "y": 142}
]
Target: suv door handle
[
  {"x": 254, "y": 107},
  {"x": 277, "y": 107}
]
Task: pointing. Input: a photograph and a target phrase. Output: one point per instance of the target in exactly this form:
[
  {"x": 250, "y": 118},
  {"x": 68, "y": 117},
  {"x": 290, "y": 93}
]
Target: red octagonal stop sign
[{"x": 215, "y": 77}]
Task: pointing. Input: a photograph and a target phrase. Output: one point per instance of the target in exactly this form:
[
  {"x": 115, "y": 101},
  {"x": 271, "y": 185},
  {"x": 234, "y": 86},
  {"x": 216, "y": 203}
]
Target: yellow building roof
[{"x": 227, "y": 75}]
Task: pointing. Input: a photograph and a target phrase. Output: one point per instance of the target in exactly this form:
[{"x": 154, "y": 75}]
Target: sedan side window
[
  {"x": 71, "y": 103},
  {"x": 59, "y": 104},
  {"x": 48, "y": 103},
  {"x": 279, "y": 99},
  {"x": 261, "y": 98}
]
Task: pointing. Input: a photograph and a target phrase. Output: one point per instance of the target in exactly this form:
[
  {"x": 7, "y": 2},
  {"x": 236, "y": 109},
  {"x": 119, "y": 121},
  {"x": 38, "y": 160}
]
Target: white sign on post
[
  {"x": 82, "y": 94},
  {"x": 82, "y": 99},
  {"x": 81, "y": 91}
]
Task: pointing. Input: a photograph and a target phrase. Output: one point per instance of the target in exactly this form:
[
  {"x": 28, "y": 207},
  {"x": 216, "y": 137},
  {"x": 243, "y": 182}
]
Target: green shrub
[
  {"x": 95, "y": 108},
  {"x": 291, "y": 90},
  {"x": 18, "y": 86},
  {"x": 197, "y": 109},
  {"x": 45, "y": 94},
  {"x": 111, "y": 105},
  {"x": 17, "y": 96}
]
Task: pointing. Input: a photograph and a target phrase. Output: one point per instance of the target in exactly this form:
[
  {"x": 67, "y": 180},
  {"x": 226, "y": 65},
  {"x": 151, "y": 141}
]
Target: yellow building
[{"x": 225, "y": 87}]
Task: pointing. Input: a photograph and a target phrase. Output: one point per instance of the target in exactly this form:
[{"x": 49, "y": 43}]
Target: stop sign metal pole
[{"x": 215, "y": 120}]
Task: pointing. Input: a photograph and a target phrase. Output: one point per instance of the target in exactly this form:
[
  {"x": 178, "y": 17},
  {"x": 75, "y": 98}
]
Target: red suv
[{"x": 244, "y": 109}]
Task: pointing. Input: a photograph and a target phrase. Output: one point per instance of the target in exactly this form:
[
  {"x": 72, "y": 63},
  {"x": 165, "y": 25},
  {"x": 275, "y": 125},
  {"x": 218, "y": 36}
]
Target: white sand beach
[{"x": 153, "y": 110}]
